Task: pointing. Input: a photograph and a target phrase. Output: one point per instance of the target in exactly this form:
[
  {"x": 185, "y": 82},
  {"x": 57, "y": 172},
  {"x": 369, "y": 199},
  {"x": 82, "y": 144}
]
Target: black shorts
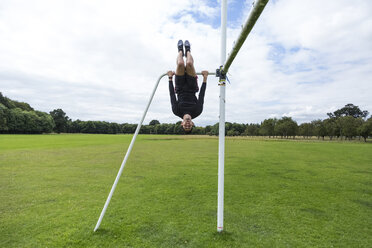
[{"x": 186, "y": 83}]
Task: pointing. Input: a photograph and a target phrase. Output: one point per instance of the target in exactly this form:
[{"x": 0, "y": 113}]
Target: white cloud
[{"x": 99, "y": 60}]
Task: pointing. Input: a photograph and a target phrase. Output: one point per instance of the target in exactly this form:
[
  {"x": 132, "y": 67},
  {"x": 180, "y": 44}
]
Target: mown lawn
[{"x": 277, "y": 193}]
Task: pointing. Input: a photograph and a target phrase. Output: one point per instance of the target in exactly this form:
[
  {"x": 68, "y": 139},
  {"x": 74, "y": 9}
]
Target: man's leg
[
  {"x": 180, "y": 70},
  {"x": 190, "y": 70}
]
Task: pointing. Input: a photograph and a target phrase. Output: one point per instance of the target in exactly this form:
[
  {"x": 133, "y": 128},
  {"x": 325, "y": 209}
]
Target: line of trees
[
  {"x": 20, "y": 117},
  {"x": 345, "y": 123}
]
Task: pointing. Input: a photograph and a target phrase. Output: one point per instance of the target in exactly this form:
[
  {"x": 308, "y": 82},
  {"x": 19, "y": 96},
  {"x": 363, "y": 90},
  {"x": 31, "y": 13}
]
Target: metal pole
[
  {"x": 209, "y": 73},
  {"x": 252, "y": 18},
  {"x": 221, "y": 135},
  {"x": 255, "y": 13},
  {"x": 127, "y": 155},
  {"x": 129, "y": 150}
]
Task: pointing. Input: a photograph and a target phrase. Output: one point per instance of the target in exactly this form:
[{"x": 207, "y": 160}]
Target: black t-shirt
[{"x": 187, "y": 102}]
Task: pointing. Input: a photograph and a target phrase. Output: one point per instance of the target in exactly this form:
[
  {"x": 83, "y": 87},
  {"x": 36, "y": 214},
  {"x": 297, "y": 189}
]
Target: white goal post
[{"x": 255, "y": 13}]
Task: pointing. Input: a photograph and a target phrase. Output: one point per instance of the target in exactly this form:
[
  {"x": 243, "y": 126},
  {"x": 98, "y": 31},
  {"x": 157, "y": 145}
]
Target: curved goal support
[{"x": 130, "y": 149}]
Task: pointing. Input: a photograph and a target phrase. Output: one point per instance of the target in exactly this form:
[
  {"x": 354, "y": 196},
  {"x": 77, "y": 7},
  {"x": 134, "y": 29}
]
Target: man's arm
[
  {"x": 172, "y": 94},
  {"x": 202, "y": 89},
  {"x": 200, "y": 103},
  {"x": 202, "y": 93}
]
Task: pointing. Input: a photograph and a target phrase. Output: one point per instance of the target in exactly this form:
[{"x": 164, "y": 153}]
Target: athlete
[{"x": 186, "y": 105}]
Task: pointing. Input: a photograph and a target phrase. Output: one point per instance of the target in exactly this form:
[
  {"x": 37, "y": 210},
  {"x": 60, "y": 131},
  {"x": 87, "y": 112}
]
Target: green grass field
[{"x": 278, "y": 193}]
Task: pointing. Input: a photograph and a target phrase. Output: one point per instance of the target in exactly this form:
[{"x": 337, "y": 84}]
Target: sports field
[{"x": 278, "y": 193}]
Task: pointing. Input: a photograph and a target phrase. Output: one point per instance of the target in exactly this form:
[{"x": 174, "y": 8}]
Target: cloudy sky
[{"x": 99, "y": 60}]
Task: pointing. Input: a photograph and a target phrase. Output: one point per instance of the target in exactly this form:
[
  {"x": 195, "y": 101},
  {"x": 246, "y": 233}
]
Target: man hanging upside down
[{"x": 186, "y": 106}]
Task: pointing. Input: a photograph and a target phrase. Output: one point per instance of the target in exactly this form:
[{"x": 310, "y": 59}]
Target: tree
[
  {"x": 208, "y": 129},
  {"x": 230, "y": 129},
  {"x": 331, "y": 128},
  {"x": 232, "y": 132},
  {"x": 4, "y": 112},
  {"x": 23, "y": 106},
  {"x": 349, "y": 110},
  {"x": 45, "y": 122},
  {"x": 74, "y": 126},
  {"x": 306, "y": 130},
  {"x": 267, "y": 127},
  {"x": 319, "y": 128},
  {"x": 16, "y": 121},
  {"x": 240, "y": 128},
  {"x": 60, "y": 119},
  {"x": 19, "y": 117},
  {"x": 349, "y": 126},
  {"x": 252, "y": 129},
  {"x": 115, "y": 127},
  {"x": 286, "y": 127},
  {"x": 160, "y": 129},
  {"x": 169, "y": 128},
  {"x": 215, "y": 129},
  {"x": 31, "y": 122},
  {"x": 178, "y": 128},
  {"x": 198, "y": 130},
  {"x": 154, "y": 122},
  {"x": 145, "y": 129},
  {"x": 6, "y": 102},
  {"x": 128, "y": 128},
  {"x": 10, "y": 104},
  {"x": 228, "y": 126},
  {"x": 88, "y": 127},
  {"x": 365, "y": 129}
]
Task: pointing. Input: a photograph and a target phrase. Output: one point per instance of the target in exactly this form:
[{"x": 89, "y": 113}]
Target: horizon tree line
[{"x": 345, "y": 123}]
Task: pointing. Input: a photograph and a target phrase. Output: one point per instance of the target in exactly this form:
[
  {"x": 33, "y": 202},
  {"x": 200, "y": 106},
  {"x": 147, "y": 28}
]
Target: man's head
[{"x": 187, "y": 123}]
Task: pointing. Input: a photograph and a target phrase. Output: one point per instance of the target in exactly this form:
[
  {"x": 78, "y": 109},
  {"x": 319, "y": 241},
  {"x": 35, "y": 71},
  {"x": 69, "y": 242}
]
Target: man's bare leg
[
  {"x": 180, "y": 70},
  {"x": 190, "y": 70}
]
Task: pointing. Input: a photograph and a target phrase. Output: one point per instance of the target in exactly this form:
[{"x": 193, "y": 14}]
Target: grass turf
[{"x": 277, "y": 193}]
